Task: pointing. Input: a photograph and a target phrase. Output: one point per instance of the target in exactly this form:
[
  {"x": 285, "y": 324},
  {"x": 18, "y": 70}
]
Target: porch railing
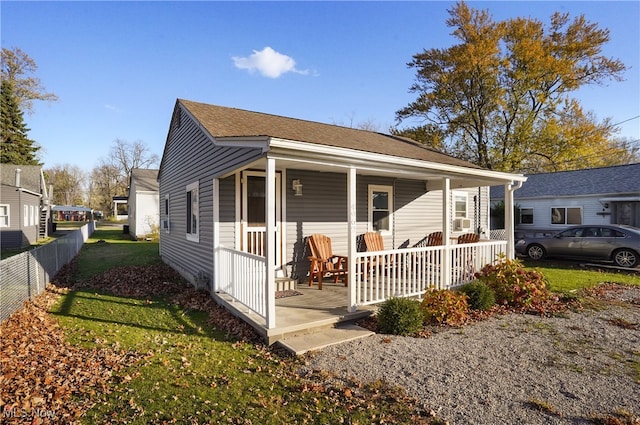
[
  {"x": 255, "y": 241},
  {"x": 379, "y": 275},
  {"x": 242, "y": 276},
  {"x": 410, "y": 272}
]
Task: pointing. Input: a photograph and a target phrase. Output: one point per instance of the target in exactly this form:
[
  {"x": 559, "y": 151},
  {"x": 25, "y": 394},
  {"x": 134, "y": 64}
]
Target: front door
[{"x": 253, "y": 221}]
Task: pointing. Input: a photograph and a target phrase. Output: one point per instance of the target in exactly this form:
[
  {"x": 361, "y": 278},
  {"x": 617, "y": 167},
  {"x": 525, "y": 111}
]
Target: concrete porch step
[
  {"x": 300, "y": 344},
  {"x": 286, "y": 284}
]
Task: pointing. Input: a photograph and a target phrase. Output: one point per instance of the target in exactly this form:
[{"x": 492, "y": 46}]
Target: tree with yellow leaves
[{"x": 501, "y": 97}]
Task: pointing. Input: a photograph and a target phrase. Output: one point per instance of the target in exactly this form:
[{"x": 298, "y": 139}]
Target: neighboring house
[
  {"x": 241, "y": 191},
  {"x": 120, "y": 207},
  {"x": 24, "y": 205},
  {"x": 71, "y": 213},
  {"x": 550, "y": 202},
  {"x": 143, "y": 203}
]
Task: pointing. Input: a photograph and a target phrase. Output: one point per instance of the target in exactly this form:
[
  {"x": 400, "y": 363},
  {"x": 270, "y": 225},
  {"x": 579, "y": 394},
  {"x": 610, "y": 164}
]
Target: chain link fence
[{"x": 25, "y": 276}]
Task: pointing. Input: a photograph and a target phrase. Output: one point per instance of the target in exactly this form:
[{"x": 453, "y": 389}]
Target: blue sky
[{"x": 118, "y": 67}]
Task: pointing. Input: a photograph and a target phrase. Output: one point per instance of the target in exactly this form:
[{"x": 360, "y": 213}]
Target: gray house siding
[
  {"x": 191, "y": 157},
  {"x": 20, "y": 232},
  {"x": 322, "y": 209}
]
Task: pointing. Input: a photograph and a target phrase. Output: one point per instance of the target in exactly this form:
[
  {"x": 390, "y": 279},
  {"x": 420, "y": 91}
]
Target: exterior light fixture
[{"x": 296, "y": 185}]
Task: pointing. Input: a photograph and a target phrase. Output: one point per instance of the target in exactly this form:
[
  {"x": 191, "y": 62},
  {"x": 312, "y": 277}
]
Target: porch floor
[{"x": 312, "y": 311}]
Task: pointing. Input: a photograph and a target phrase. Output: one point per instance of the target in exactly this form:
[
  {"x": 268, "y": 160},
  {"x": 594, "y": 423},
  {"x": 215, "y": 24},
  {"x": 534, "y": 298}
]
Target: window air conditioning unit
[{"x": 463, "y": 224}]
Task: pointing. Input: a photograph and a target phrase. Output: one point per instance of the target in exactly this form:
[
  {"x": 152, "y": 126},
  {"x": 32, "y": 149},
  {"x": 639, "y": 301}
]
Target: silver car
[{"x": 617, "y": 243}]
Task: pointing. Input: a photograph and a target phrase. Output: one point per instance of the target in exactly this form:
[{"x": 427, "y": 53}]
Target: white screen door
[{"x": 254, "y": 223}]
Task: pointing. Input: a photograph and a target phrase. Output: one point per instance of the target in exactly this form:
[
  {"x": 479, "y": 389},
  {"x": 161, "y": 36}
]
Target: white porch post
[
  {"x": 446, "y": 233},
  {"x": 509, "y": 222},
  {"x": 215, "y": 284},
  {"x": 270, "y": 242},
  {"x": 352, "y": 249}
]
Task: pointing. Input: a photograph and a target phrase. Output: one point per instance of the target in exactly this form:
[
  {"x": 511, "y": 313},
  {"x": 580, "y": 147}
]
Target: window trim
[
  {"x": 166, "y": 226},
  {"x": 533, "y": 218},
  {"x": 455, "y": 194},
  {"x": 7, "y": 215},
  {"x": 566, "y": 216},
  {"x": 190, "y": 188},
  {"x": 380, "y": 188}
]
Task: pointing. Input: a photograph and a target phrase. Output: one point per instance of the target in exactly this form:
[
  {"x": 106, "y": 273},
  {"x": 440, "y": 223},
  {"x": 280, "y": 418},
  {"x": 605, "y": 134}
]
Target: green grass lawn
[
  {"x": 192, "y": 372},
  {"x": 565, "y": 277},
  {"x": 108, "y": 247}
]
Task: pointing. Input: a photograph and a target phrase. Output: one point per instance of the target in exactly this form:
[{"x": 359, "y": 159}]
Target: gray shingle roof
[
  {"x": 146, "y": 179},
  {"x": 30, "y": 178},
  {"x": 221, "y": 121},
  {"x": 616, "y": 180}
]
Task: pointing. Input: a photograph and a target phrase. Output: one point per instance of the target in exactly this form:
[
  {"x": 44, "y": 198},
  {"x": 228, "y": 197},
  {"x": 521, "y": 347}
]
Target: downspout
[{"x": 508, "y": 219}]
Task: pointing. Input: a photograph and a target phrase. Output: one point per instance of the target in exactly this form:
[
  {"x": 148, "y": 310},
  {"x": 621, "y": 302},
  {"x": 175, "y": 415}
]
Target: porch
[
  {"x": 308, "y": 311},
  {"x": 373, "y": 278}
]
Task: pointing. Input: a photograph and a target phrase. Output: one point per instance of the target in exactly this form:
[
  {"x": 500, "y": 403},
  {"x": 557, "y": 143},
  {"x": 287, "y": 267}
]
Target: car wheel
[
  {"x": 625, "y": 258},
  {"x": 535, "y": 252}
]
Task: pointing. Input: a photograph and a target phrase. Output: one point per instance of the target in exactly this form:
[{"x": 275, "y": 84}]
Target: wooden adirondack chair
[
  {"x": 373, "y": 242},
  {"x": 434, "y": 239},
  {"x": 468, "y": 238},
  {"x": 324, "y": 262}
]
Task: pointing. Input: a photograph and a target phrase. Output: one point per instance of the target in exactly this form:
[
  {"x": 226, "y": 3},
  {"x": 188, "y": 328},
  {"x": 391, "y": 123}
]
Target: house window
[
  {"x": 460, "y": 204},
  {"x": 561, "y": 215},
  {"x": 165, "y": 220},
  {"x": 25, "y": 218},
  {"x": 192, "y": 212},
  {"x": 381, "y": 208},
  {"x": 526, "y": 215},
  {"x": 4, "y": 215}
]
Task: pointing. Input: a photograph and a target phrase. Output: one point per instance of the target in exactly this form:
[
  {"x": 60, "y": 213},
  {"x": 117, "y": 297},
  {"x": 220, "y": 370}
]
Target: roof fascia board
[
  {"x": 353, "y": 157},
  {"x": 591, "y": 195},
  {"x": 254, "y": 142}
]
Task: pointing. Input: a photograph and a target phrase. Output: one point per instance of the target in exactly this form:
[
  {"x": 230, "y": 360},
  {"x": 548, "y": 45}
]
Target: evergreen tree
[{"x": 15, "y": 145}]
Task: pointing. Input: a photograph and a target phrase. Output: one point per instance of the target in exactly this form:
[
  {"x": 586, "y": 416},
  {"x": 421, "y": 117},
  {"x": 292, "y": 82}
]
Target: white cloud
[
  {"x": 268, "y": 62},
  {"x": 112, "y": 108}
]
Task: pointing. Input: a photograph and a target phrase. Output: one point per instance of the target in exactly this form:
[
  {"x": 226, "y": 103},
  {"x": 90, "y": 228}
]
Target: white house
[
  {"x": 143, "y": 203},
  {"x": 550, "y": 202},
  {"x": 243, "y": 191}
]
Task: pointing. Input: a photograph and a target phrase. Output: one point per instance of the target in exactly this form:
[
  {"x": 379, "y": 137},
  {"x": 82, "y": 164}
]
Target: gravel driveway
[{"x": 513, "y": 369}]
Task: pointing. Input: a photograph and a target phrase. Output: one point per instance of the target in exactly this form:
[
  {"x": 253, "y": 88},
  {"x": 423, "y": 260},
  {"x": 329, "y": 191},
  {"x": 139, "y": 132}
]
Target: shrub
[
  {"x": 479, "y": 295},
  {"x": 513, "y": 284},
  {"x": 445, "y": 307},
  {"x": 400, "y": 316}
]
